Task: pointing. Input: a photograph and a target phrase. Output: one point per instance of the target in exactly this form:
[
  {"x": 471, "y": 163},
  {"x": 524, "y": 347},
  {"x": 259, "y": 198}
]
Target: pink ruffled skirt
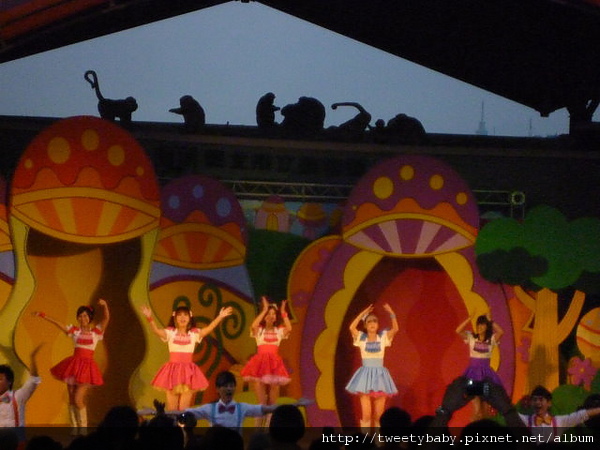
[
  {"x": 78, "y": 369},
  {"x": 266, "y": 366},
  {"x": 180, "y": 375}
]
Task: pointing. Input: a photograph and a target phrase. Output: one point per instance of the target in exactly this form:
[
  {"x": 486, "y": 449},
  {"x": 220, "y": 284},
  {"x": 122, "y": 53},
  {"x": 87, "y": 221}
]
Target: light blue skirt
[{"x": 372, "y": 379}]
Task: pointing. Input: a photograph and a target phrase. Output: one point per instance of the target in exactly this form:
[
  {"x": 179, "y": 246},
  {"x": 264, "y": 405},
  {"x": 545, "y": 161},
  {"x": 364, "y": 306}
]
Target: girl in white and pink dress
[
  {"x": 80, "y": 370},
  {"x": 180, "y": 377},
  {"x": 266, "y": 369}
]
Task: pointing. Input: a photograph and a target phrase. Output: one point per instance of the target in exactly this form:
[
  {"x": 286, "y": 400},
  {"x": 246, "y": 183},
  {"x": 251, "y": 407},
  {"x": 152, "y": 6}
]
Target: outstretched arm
[
  {"x": 593, "y": 412},
  {"x": 260, "y": 316},
  {"x": 147, "y": 312},
  {"x": 268, "y": 409},
  {"x": 106, "y": 316},
  {"x": 395, "y": 327},
  {"x": 353, "y": 327},
  {"x": 211, "y": 326},
  {"x": 456, "y": 397},
  {"x": 497, "y": 397},
  {"x": 158, "y": 410},
  {"x": 62, "y": 327}
]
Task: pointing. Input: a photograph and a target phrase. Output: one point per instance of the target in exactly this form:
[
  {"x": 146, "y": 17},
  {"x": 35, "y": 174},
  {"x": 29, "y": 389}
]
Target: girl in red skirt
[
  {"x": 80, "y": 371},
  {"x": 266, "y": 369},
  {"x": 180, "y": 377}
]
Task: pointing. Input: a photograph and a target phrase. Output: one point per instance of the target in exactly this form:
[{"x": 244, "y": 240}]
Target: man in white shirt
[
  {"x": 547, "y": 427},
  {"x": 12, "y": 403},
  {"x": 227, "y": 412}
]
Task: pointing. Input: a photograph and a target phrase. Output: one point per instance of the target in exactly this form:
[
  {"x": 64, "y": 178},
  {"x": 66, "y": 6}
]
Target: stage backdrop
[{"x": 86, "y": 219}]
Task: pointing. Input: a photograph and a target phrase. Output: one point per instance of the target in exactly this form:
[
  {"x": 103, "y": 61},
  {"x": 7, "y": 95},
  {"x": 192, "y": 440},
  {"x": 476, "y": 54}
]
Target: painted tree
[{"x": 541, "y": 257}]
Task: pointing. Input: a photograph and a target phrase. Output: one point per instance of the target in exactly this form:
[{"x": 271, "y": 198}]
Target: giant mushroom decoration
[
  {"x": 85, "y": 180},
  {"x": 203, "y": 225},
  {"x": 84, "y": 211},
  {"x": 407, "y": 234}
]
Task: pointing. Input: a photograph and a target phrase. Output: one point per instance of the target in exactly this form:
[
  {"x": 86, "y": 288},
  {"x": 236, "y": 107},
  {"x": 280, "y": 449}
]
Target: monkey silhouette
[
  {"x": 305, "y": 117},
  {"x": 193, "y": 114},
  {"x": 108, "y": 108},
  {"x": 358, "y": 124},
  {"x": 406, "y": 128},
  {"x": 265, "y": 111}
]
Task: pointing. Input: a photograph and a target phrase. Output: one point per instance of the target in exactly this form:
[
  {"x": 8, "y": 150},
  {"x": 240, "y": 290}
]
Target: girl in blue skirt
[{"x": 372, "y": 382}]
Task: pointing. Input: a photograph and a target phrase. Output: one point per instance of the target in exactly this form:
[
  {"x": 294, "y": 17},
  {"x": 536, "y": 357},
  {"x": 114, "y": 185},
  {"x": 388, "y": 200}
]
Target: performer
[
  {"x": 372, "y": 381},
  {"x": 481, "y": 343},
  {"x": 549, "y": 427},
  {"x": 266, "y": 369},
  {"x": 181, "y": 378},
  {"x": 12, "y": 402},
  {"x": 80, "y": 371},
  {"x": 225, "y": 412}
]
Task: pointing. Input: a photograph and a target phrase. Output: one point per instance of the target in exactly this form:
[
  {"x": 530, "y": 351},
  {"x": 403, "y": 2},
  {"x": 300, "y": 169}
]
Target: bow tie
[
  {"x": 230, "y": 409},
  {"x": 539, "y": 420},
  {"x": 5, "y": 398}
]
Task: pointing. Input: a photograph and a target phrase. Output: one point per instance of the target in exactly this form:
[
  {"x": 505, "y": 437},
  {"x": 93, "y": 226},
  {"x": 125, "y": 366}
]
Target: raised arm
[
  {"x": 62, "y": 327},
  {"x": 391, "y": 333},
  {"x": 26, "y": 391},
  {"x": 33, "y": 368},
  {"x": 287, "y": 325},
  {"x": 353, "y": 327},
  {"x": 147, "y": 312},
  {"x": 211, "y": 326},
  {"x": 105, "y": 316},
  {"x": 461, "y": 328},
  {"x": 260, "y": 316},
  {"x": 498, "y": 331}
]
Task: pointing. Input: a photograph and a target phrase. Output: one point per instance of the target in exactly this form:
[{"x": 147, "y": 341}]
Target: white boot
[
  {"x": 73, "y": 420},
  {"x": 83, "y": 420}
]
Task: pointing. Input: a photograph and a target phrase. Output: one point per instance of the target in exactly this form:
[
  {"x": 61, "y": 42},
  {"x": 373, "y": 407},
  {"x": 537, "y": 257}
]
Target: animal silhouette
[
  {"x": 193, "y": 114},
  {"x": 108, "y": 108},
  {"x": 358, "y": 124},
  {"x": 265, "y": 111},
  {"x": 406, "y": 128},
  {"x": 305, "y": 117}
]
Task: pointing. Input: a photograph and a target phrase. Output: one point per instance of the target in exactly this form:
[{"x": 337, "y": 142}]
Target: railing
[{"x": 507, "y": 203}]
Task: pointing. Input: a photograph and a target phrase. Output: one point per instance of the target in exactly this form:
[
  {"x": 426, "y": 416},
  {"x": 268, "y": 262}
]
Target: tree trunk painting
[{"x": 547, "y": 333}]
